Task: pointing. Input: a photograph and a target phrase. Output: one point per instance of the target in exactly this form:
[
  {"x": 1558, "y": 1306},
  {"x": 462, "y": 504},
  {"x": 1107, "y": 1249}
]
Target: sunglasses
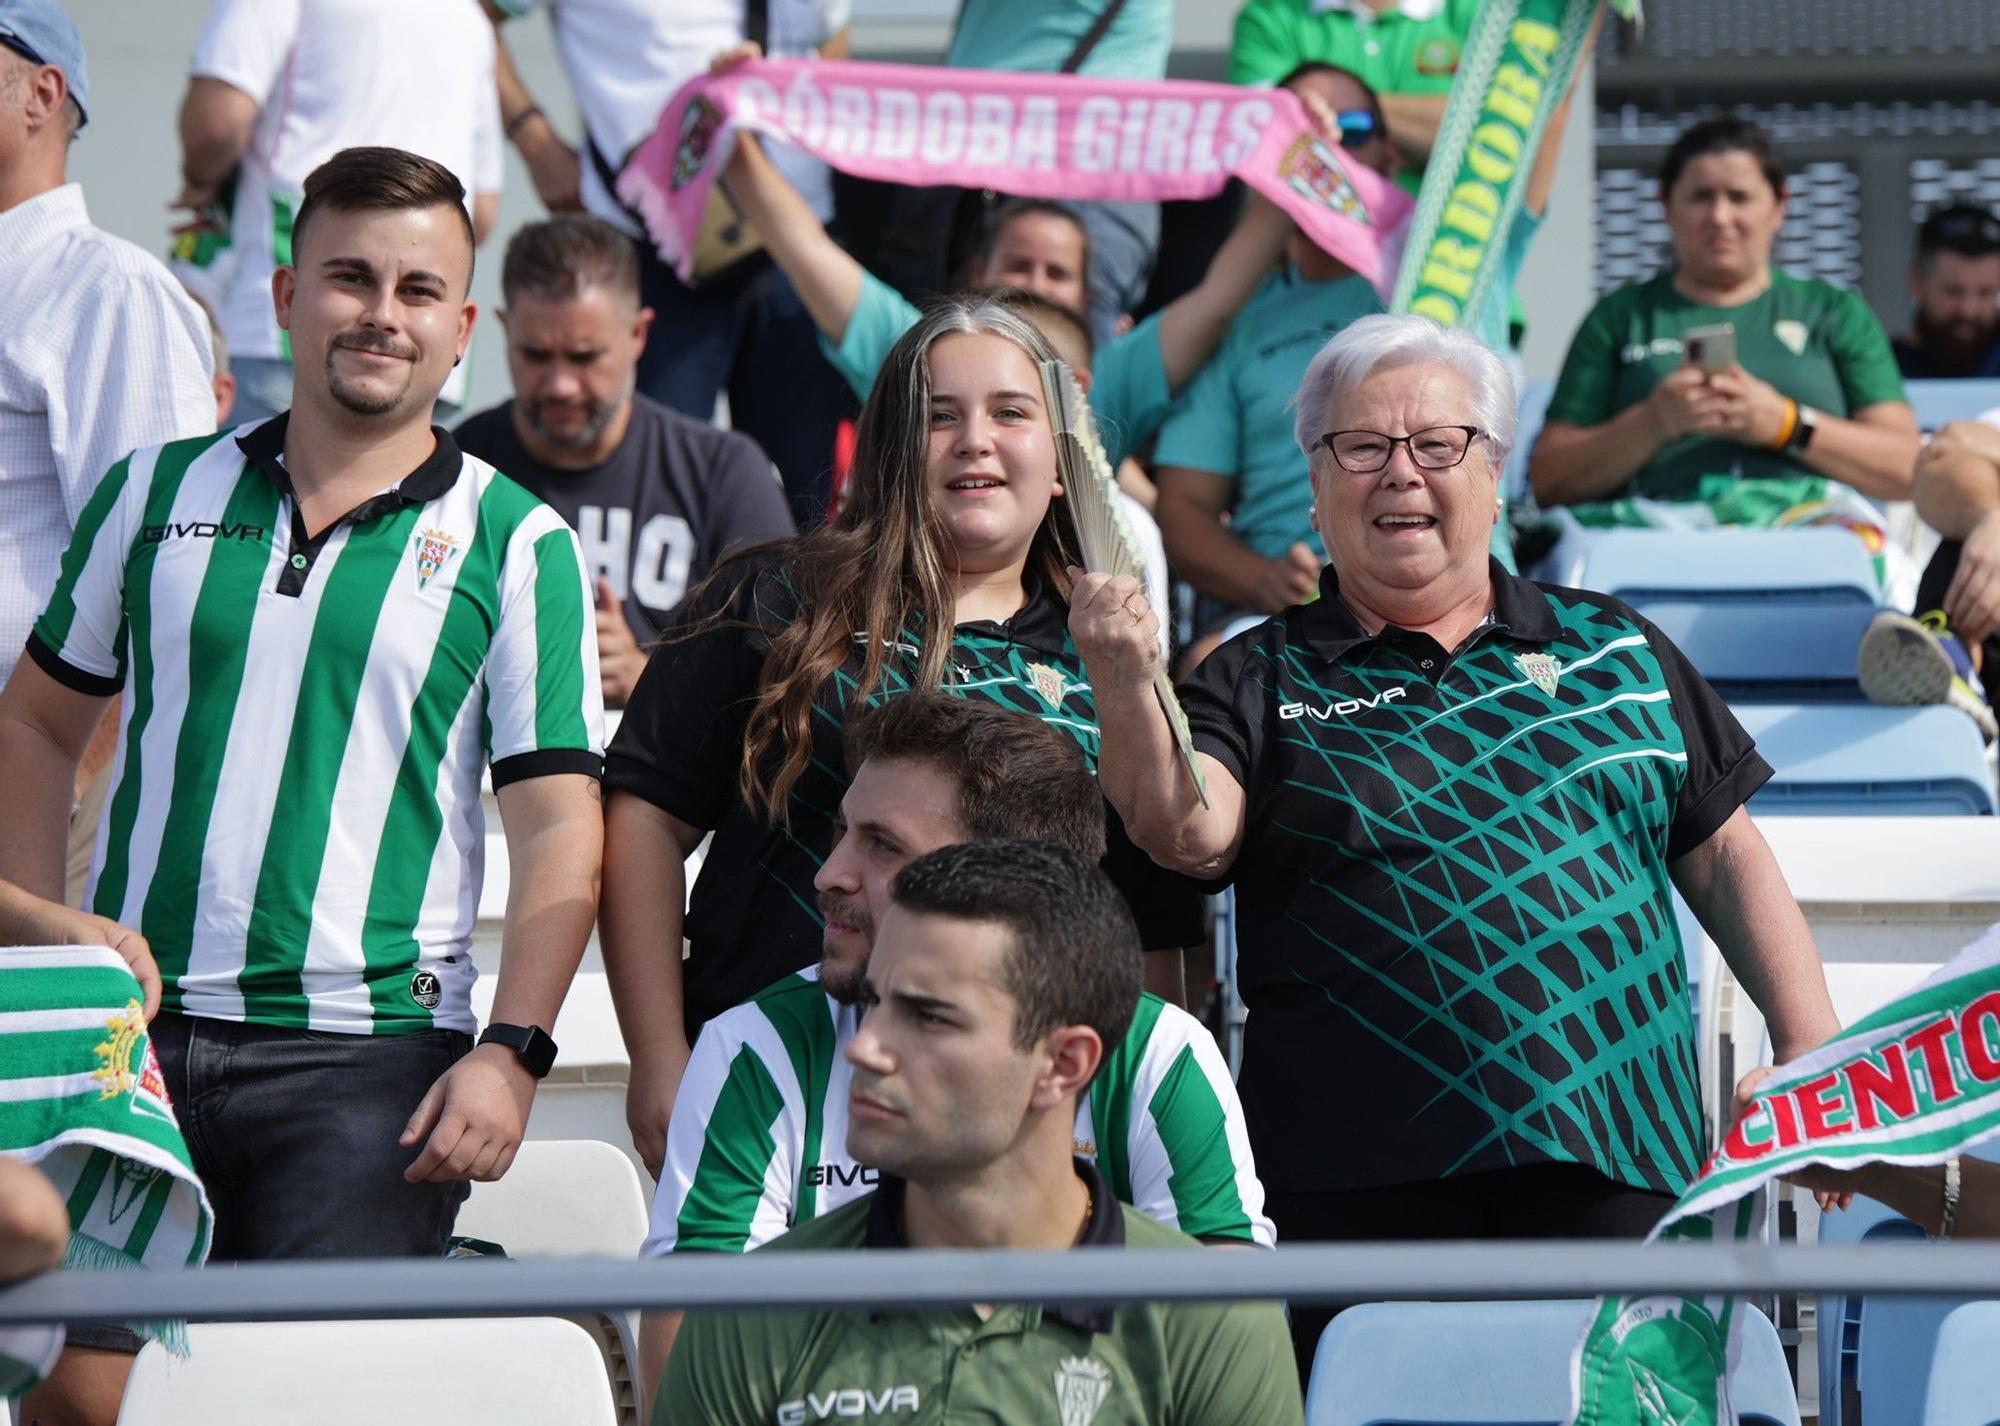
[{"x": 1357, "y": 127}]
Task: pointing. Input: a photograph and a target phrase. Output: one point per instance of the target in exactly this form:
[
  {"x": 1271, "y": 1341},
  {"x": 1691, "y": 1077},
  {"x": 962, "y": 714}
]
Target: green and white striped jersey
[
  {"x": 294, "y": 821},
  {"x": 758, "y": 1139}
]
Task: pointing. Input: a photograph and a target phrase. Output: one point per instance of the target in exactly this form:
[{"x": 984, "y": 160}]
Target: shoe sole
[{"x": 1900, "y": 664}]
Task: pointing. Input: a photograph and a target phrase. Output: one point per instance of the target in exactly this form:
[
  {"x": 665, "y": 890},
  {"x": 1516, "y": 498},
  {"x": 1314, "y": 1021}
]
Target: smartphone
[{"x": 1710, "y": 348}]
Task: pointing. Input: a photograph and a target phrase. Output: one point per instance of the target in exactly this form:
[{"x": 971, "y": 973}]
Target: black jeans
[
  {"x": 1547, "y": 1200},
  {"x": 294, "y": 1134}
]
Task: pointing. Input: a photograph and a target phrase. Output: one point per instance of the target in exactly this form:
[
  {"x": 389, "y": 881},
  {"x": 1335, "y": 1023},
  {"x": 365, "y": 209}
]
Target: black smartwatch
[
  {"x": 1803, "y": 429},
  {"x": 530, "y": 1043}
]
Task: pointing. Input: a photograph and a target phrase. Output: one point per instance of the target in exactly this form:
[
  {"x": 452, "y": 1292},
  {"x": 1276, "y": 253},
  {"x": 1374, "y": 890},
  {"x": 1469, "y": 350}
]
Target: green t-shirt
[
  {"x": 1235, "y": 419},
  {"x": 1135, "y": 1364},
  {"x": 1037, "y": 36},
  {"x": 1817, "y": 344},
  {"x": 1412, "y": 49},
  {"x": 1128, "y": 376}
]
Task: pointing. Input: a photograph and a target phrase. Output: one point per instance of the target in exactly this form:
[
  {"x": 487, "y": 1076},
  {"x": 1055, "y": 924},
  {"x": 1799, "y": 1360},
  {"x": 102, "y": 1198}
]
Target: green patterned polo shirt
[{"x": 1456, "y": 934}]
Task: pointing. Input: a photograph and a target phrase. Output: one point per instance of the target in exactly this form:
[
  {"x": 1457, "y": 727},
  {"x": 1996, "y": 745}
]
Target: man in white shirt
[
  {"x": 741, "y": 330},
  {"x": 278, "y": 87},
  {"x": 100, "y": 352}
]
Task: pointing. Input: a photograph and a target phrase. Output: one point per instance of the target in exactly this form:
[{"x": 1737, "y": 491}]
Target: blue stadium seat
[
  {"x": 1493, "y": 1364},
  {"x": 1533, "y": 405},
  {"x": 1752, "y": 652},
  {"x": 1776, "y": 569},
  {"x": 1875, "y": 1353},
  {"x": 1960, "y": 1392},
  {"x": 1866, "y": 761},
  {"x": 1937, "y": 402}
]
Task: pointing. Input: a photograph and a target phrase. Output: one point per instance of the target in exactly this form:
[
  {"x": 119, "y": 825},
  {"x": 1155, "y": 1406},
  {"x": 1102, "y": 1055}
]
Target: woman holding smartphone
[{"x": 1723, "y": 369}]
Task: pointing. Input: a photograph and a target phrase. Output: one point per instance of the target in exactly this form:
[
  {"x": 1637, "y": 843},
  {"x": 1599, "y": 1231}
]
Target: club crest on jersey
[
  {"x": 1082, "y": 1383},
  {"x": 1792, "y": 333},
  {"x": 435, "y": 550},
  {"x": 1542, "y": 670},
  {"x": 1049, "y": 682}
]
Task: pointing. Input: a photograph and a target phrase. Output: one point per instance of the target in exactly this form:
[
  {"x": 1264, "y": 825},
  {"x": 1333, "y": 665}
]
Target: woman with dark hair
[
  {"x": 1809, "y": 390},
  {"x": 952, "y": 521}
]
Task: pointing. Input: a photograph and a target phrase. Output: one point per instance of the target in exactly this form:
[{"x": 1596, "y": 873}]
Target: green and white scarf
[
  {"x": 82, "y": 1099},
  {"x": 1917, "y": 1082},
  {"x": 1511, "y": 78}
]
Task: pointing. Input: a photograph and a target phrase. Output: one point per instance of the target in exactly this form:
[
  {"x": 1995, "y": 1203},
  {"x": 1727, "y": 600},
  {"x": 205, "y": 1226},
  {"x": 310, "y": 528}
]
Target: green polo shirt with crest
[
  {"x": 1818, "y": 344},
  {"x": 1456, "y": 936},
  {"x": 1132, "y": 1364}
]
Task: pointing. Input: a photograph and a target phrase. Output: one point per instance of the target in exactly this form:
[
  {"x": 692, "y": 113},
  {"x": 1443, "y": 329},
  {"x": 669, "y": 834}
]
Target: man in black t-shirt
[
  {"x": 1954, "y": 284},
  {"x": 655, "y": 497}
]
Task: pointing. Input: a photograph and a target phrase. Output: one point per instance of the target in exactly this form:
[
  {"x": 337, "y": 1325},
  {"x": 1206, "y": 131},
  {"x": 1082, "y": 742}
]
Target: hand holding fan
[{"x": 1104, "y": 539}]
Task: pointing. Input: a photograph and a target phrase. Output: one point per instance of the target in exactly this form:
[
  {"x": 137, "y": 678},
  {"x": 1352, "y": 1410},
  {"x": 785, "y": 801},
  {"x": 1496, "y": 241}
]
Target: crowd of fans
[{"x": 930, "y": 986}]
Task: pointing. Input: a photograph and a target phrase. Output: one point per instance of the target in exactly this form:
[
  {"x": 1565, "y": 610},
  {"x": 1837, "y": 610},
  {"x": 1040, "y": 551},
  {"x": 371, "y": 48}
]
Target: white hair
[{"x": 1371, "y": 344}]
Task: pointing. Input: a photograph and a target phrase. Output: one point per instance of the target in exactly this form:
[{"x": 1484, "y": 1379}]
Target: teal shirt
[
  {"x": 1236, "y": 418},
  {"x": 1038, "y": 35},
  {"x": 1128, "y": 391}
]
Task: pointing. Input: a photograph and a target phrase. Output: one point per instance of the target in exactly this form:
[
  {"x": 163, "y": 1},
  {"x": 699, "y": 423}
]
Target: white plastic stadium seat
[
  {"x": 438, "y": 1371},
  {"x": 1467, "y": 1363},
  {"x": 561, "y": 1198}
]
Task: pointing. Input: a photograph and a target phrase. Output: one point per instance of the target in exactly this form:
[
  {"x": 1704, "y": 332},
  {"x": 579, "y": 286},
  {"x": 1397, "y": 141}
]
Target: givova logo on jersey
[{"x": 848, "y": 1403}]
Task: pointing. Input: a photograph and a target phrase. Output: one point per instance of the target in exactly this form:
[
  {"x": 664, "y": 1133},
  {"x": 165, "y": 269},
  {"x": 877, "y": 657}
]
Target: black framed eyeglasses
[{"x": 1433, "y": 448}]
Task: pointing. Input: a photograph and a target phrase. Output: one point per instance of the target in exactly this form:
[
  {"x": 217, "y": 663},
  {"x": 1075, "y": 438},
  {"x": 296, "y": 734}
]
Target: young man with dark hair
[
  {"x": 331, "y": 624},
  {"x": 1003, "y": 976},
  {"x": 656, "y": 497},
  {"x": 1955, "y": 297},
  {"x": 1161, "y": 1120}
]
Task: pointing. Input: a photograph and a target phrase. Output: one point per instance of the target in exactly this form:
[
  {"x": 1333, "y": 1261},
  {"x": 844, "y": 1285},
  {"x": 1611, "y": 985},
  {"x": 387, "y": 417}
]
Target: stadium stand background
[
  {"x": 1883, "y": 112},
  {"x": 127, "y": 159}
]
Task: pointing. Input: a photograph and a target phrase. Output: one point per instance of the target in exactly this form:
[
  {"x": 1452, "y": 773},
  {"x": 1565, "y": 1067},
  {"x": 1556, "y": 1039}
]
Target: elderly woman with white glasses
[{"x": 1453, "y": 804}]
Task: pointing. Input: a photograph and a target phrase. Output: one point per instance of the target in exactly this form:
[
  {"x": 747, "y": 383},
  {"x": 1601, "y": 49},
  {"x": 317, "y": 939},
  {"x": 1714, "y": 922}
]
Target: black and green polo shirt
[
  {"x": 1134, "y": 1364},
  {"x": 752, "y": 917},
  {"x": 1455, "y": 930}
]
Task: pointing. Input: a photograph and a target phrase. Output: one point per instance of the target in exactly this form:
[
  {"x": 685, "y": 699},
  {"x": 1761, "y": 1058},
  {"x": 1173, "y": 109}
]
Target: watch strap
[{"x": 531, "y": 1044}]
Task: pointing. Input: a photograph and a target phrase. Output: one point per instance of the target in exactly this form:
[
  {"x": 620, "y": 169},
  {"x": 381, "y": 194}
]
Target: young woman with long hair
[{"x": 953, "y": 520}]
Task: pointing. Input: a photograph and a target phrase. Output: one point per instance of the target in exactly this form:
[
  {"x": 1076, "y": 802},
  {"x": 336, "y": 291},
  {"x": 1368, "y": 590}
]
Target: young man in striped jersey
[
  {"x": 326, "y": 626},
  {"x": 758, "y": 1139},
  {"x": 1003, "y": 978}
]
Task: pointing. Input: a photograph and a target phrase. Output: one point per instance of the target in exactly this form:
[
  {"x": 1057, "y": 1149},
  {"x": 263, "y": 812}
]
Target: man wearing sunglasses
[
  {"x": 1955, "y": 295},
  {"x": 1228, "y": 451}
]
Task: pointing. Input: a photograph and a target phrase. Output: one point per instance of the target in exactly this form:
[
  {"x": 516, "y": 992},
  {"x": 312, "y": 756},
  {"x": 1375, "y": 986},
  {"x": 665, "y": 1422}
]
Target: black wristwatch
[
  {"x": 1803, "y": 429},
  {"x": 530, "y": 1043}
]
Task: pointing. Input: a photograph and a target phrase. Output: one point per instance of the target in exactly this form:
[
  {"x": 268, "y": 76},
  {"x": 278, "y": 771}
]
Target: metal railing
[{"x": 913, "y": 1279}]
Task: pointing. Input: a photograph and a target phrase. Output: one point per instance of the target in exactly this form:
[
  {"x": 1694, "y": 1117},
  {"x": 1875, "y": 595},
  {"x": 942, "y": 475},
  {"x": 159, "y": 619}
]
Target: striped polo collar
[{"x": 263, "y": 446}]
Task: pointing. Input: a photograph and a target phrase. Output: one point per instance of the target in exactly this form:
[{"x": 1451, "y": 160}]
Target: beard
[
  {"x": 1954, "y": 348},
  {"x": 837, "y": 978},
  {"x": 582, "y": 437},
  {"x": 359, "y": 400}
]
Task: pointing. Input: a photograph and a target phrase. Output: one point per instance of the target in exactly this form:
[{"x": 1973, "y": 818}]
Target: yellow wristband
[{"x": 1791, "y": 425}]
